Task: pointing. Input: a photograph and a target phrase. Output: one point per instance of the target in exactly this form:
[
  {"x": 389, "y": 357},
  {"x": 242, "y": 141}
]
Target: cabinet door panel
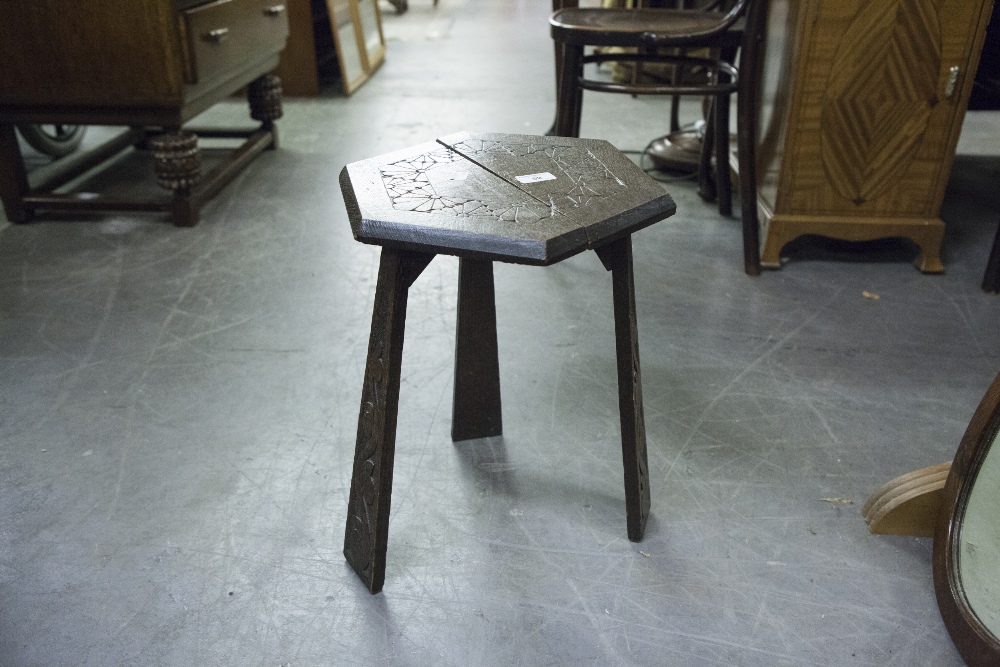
[{"x": 875, "y": 125}]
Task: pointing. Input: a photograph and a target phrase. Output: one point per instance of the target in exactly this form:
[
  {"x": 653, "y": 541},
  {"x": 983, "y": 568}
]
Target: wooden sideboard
[
  {"x": 151, "y": 64},
  {"x": 861, "y": 107}
]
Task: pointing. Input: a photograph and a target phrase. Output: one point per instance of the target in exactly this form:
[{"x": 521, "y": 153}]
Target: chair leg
[
  {"x": 617, "y": 258},
  {"x": 476, "y": 407},
  {"x": 991, "y": 279},
  {"x": 570, "y": 94},
  {"x": 675, "y": 114},
  {"x": 13, "y": 177},
  {"x": 558, "y": 47},
  {"x": 706, "y": 184},
  {"x": 747, "y": 102},
  {"x": 723, "y": 180},
  {"x": 367, "y": 535}
]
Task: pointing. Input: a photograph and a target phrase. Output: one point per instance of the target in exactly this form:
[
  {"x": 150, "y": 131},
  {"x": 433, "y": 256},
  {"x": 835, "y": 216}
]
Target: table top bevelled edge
[{"x": 558, "y": 226}]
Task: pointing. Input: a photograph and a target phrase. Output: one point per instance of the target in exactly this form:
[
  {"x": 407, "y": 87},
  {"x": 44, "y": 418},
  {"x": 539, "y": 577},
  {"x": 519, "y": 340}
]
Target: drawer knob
[
  {"x": 274, "y": 10},
  {"x": 218, "y": 35}
]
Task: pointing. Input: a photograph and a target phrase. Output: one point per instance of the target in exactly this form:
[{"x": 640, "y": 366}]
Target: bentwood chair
[{"x": 649, "y": 32}]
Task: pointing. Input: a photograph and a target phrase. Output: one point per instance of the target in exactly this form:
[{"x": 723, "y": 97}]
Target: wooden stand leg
[
  {"x": 617, "y": 258},
  {"x": 13, "y": 177},
  {"x": 367, "y": 534},
  {"x": 177, "y": 161},
  {"x": 476, "y": 407}
]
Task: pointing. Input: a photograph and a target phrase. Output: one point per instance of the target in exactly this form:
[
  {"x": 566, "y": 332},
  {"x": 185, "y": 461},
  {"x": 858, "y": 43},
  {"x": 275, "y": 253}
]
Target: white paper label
[
  {"x": 536, "y": 178},
  {"x": 460, "y": 176}
]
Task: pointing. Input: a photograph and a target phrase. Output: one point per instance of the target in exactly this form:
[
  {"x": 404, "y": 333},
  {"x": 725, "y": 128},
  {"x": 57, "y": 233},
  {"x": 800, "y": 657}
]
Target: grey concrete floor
[{"x": 178, "y": 411}]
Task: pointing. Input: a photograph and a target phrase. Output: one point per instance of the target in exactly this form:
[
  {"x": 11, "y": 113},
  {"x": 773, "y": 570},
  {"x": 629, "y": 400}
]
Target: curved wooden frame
[{"x": 977, "y": 645}]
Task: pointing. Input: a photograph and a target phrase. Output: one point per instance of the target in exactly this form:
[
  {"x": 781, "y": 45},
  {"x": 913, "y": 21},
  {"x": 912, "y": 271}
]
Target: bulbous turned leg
[
  {"x": 177, "y": 162},
  {"x": 264, "y": 96}
]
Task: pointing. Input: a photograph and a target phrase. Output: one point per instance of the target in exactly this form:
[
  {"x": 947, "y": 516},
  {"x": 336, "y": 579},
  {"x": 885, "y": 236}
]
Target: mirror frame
[{"x": 977, "y": 644}]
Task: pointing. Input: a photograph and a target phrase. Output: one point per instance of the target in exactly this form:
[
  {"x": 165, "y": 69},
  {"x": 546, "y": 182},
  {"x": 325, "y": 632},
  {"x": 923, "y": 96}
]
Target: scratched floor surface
[{"x": 178, "y": 410}]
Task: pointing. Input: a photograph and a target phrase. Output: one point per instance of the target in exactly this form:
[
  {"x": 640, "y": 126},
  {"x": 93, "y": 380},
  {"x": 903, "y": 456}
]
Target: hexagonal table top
[{"x": 510, "y": 197}]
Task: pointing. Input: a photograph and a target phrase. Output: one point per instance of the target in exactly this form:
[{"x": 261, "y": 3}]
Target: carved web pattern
[
  {"x": 409, "y": 186},
  {"x": 589, "y": 176}
]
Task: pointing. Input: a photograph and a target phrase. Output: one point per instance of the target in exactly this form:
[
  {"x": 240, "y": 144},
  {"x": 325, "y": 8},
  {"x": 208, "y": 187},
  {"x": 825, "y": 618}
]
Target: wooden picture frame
[
  {"x": 978, "y": 645},
  {"x": 357, "y": 35}
]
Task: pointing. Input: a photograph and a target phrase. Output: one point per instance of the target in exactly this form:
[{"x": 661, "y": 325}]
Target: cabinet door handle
[
  {"x": 274, "y": 10},
  {"x": 217, "y": 36}
]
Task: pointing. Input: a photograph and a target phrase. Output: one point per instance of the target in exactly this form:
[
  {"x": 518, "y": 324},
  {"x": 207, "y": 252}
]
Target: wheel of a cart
[{"x": 53, "y": 140}]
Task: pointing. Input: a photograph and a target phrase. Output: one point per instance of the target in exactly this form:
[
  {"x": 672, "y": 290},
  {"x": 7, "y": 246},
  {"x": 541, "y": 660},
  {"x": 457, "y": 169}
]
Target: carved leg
[
  {"x": 617, "y": 258},
  {"x": 476, "y": 408},
  {"x": 367, "y": 534},
  {"x": 178, "y": 168},
  {"x": 264, "y": 97},
  {"x": 13, "y": 177}
]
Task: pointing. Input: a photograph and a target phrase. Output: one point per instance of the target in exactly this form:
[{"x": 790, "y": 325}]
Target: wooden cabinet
[
  {"x": 133, "y": 62},
  {"x": 140, "y": 63},
  {"x": 862, "y": 105}
]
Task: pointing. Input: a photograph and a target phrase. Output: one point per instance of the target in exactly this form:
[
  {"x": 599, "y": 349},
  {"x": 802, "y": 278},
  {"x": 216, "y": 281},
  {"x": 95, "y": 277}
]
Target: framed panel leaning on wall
[{"x": 357, "y": 34}]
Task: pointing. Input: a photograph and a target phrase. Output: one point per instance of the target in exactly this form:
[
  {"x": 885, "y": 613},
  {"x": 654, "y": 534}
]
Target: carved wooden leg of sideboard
[
  {"x": 178, "y": 169},
  {"x": 264, "y": 97}
]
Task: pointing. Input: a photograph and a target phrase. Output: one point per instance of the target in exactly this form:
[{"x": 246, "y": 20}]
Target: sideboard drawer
[{"x": 224, "y": 35}]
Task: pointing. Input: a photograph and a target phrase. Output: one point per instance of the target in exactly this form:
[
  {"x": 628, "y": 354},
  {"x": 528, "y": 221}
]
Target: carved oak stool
[{"x": 487, "y": 197}]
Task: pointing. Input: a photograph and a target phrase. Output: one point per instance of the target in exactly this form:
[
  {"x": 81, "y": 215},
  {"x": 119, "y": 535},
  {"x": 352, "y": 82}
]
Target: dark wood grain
[
  {"x": 476, "y": 409},
  {"x": 13, "y": 177},
  {"x": 367, "y": 535},
  {"x": 590, "y": 181},
  {"x": 617, "y": 258},
  {"x": 978, "y": 646},
  {"x": 68, "y": 52},
  {"x": 461, "y": 196},
  {"x": 432, "y": 197}
]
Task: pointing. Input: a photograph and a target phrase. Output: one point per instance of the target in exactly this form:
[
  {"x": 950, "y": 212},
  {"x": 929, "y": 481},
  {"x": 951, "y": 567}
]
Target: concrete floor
[{"x": 178, "y": 411}]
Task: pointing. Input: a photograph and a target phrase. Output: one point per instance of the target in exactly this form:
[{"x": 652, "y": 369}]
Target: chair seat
[{"x": 634, "y": 27}]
